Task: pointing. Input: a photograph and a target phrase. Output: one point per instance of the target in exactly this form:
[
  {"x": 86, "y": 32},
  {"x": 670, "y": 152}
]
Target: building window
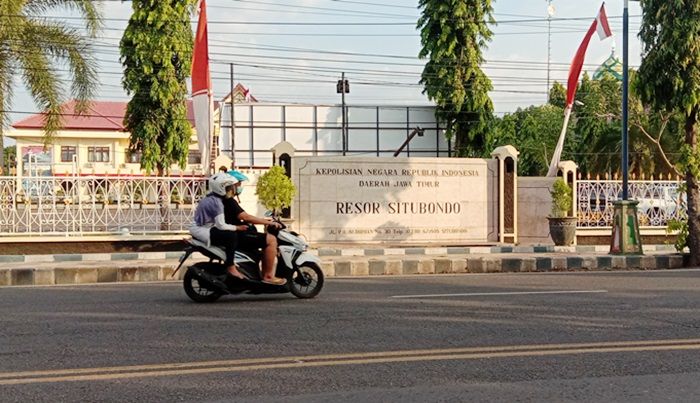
[
  {"x": 67, "y": 153},
  {"x": 98, "y": 154},
  {"x": 194, "y": 157},
  {"x": 134, "y": 157}
]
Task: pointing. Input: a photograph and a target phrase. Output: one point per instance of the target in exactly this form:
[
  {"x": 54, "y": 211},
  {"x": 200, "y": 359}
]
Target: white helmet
[{"x": 219, "y": 182}]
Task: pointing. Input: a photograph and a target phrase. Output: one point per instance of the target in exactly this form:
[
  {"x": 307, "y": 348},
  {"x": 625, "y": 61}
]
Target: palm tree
[{"x": 32, "y": 46}]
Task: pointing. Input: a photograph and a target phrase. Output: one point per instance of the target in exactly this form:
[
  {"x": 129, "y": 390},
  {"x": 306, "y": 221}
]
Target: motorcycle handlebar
[{"x": 273, "y": 230}]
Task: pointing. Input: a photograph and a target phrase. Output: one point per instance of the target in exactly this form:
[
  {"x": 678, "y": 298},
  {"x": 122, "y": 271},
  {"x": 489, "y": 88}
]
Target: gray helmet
[{"x": 219, "y": 182}]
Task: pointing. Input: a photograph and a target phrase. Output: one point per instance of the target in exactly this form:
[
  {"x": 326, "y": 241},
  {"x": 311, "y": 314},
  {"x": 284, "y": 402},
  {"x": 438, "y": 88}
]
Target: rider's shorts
[{"x": 250, "y": 240}]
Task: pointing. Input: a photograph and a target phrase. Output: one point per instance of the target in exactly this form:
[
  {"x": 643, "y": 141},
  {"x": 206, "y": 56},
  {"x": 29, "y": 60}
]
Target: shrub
[
  {"x": 275, "y": 190},
  {"x": 562, "y": 198}
]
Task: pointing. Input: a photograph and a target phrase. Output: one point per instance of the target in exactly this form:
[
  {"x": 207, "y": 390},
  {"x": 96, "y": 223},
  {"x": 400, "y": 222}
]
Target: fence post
[{"x": 507, "y": 157}]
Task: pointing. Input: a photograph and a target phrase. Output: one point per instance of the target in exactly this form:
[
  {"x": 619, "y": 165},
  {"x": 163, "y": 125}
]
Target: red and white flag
[
  {"x": 601, "y": 26},
  {"x": 202, "y": 96}
]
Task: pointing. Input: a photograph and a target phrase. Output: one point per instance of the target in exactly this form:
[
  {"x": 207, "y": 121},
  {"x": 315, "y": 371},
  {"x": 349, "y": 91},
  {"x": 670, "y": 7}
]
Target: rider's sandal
[{"x": 275, "y": 281}]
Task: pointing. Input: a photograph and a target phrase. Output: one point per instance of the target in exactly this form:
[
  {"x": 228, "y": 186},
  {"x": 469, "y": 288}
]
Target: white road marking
[{"x": 488, "y": 294}]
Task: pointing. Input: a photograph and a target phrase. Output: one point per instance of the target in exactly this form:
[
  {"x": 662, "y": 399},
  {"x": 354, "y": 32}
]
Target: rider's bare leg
[{"x": 268, "y": 259}]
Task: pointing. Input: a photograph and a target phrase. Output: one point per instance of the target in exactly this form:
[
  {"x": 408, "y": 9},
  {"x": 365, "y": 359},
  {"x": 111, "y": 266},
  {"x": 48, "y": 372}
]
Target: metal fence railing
[
  {"x": 50, "y": 205},
  {"x": 659, "y": 202}
]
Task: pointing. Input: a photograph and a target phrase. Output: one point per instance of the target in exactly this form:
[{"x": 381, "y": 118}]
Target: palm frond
[
  {"x": 86, "y": 8},
  {"x": 43, "y": 83},
  {"x": 6, "y": 89},
  {"x": 61, "y": 42}
]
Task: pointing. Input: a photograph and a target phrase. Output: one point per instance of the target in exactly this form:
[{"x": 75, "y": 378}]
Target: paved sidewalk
[{"x": 337, "y": 261}]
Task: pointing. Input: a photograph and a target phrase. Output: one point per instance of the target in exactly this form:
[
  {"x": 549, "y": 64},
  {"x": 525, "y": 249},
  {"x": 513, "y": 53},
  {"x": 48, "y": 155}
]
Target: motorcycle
[{"x": 208, "y": 281}]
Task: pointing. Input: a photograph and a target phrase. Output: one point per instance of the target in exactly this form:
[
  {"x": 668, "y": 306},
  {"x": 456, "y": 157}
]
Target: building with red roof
[{"x": 94, "y": 143}]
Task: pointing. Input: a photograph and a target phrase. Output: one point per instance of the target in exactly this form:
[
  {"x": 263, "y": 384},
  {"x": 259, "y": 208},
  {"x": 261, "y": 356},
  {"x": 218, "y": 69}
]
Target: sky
[{"x": 295, "y": 51}]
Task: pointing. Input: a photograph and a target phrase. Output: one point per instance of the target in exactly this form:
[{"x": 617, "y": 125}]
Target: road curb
[
  {"x": 124, "y": 271},
  {"x": 325, "y": 252}
]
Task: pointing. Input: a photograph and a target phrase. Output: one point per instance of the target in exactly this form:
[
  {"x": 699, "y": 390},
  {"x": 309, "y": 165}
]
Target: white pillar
[{"x": 507, "y": 157}]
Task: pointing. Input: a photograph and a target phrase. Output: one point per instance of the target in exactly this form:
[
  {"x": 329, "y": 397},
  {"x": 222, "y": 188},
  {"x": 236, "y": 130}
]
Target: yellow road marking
[{"x": 206, "y": 367}]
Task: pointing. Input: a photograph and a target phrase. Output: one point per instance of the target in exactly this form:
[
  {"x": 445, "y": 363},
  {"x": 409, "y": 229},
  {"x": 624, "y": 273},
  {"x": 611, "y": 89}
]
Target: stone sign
[{"x": 395, "y": 200}]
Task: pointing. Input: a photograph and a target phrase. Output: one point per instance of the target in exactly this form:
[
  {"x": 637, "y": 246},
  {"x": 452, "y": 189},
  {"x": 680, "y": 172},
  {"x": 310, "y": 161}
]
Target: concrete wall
[{"x": 534, "y": 205}]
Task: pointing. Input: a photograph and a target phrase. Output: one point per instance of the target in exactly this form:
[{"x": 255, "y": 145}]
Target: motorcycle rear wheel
[
  {"x": 196, "y": 290},
  {"x": 306, "y": 283}
]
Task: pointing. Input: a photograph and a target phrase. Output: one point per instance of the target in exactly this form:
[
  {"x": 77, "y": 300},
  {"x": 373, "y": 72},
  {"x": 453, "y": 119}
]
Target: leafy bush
[
  {"x": 682, "y": 227},
  {"x": 275, "y": 190},
  {"x": 562, "y": 198}
]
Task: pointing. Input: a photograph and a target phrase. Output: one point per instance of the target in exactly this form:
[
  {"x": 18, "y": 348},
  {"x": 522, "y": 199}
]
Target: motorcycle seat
[{"x": 213, "y": 250}]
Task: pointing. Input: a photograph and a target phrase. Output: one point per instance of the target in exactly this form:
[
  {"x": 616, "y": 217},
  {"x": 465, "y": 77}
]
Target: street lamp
[
  {"x": 625, "y": 104},
  {"x": 343, "y": 87},
  {"x": 625, "y": 237}
]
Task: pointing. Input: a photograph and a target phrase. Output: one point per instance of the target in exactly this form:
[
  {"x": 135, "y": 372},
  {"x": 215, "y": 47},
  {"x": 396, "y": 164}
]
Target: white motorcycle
[{"x": 208, "y": 281}]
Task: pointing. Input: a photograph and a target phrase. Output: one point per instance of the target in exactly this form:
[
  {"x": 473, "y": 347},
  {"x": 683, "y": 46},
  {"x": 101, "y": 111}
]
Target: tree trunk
[
  {"x": 693, "y": 192},
  {"x": 163, "y": 200}
]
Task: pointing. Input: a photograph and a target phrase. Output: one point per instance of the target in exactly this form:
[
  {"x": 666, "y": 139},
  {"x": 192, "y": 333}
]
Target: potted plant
[
  {"x": 275, "y": 190},
  {"x": 562, "y": 227}
]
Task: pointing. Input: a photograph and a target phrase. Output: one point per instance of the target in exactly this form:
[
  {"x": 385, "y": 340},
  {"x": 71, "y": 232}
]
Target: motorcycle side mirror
[{"x": 268, "y": 213}]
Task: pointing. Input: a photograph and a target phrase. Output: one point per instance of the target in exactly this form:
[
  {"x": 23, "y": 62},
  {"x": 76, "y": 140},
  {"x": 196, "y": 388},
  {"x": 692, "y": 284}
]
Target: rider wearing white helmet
[
  {"x": 251, "y": 239},
  {"x": 209, "y": 220}
]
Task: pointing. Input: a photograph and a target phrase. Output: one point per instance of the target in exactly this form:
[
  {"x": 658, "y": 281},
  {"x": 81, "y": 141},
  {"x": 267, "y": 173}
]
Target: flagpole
[
  {"x": 560, "y": 143},
  {"x": 233, "y": 120}
]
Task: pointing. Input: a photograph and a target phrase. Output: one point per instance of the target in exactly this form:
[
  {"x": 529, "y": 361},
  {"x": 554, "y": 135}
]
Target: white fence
[
  {"x": 42, "y": 205},
  {"x": 659, "y": 202},
  {"x": 71, "y": 206}
]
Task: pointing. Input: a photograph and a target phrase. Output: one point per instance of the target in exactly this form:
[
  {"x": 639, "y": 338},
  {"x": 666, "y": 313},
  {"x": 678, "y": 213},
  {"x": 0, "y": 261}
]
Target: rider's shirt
[
  {"x": 232, "y": 210},
  {"x": 207, "y": 210},
  {"x": 209, "y": 213}
]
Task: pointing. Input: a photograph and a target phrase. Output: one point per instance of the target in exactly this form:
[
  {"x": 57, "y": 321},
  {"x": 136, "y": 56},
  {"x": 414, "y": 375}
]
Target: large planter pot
[{"x": 562, "y": 230}]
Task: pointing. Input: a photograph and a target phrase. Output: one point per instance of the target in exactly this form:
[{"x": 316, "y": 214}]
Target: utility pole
[
  {"x": 343, "y": 87},
  {"x": 233, "y": 122},
  {"x": 550, "y": 13}
]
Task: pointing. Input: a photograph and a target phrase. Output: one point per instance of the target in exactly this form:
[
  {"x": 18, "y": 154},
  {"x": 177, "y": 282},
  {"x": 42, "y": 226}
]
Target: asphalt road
[{"x": 594, "y": 337}]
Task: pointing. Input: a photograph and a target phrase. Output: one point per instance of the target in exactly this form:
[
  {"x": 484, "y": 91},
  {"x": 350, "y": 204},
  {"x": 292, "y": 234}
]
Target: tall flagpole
[
  {"x": 553, "y": 166},
  {"x": 600, "y": 25},
  {"x": 233, "y": 121}
]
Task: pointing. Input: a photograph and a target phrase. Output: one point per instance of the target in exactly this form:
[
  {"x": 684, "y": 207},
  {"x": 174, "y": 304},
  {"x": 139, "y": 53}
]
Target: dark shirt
[{"x": 232, "y": 210}]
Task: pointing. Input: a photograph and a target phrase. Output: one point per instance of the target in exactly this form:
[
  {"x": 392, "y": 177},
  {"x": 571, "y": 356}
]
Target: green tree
[
  {"x": 534, "y": 132},
  {"x": 10, "y": 155},
  {"x": 557, "y": 95},
  {"x": 156, "y": 52},
  {"x": 31, "y": 47},
  {"x": 597, "y": 124},
  {"x": 597, "y": 142},
  {"x": 669, "y": 80},
  {"x": 453, "y": 35}
]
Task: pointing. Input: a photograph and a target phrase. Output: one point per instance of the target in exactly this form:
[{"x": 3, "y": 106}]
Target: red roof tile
[{"x": 101, "y": 115}]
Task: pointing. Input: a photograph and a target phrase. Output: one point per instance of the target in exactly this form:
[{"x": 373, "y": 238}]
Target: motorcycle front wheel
[
  {"x": 307, "y": 282},
  {"x": 196, "y": 290}
]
